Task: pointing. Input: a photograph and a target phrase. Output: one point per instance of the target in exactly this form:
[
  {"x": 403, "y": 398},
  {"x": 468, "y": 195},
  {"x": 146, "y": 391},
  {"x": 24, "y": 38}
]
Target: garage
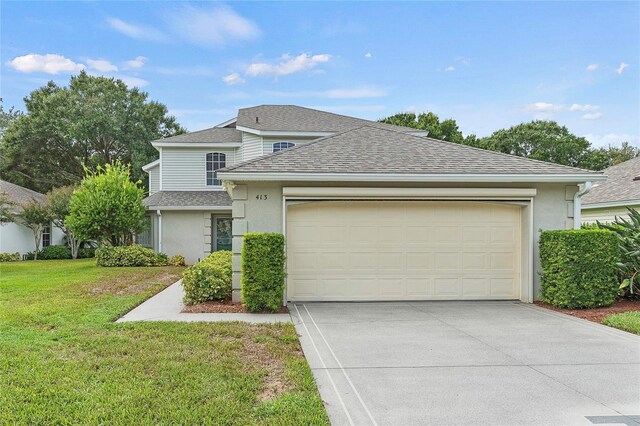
[{"x": 357, "y": 250}]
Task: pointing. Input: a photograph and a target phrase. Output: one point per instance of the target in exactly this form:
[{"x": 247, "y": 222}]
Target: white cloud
[
  {"x": 586, "y": 107},
  {"x": 351, "y": 93},
  {"x": 49, "y": 63},
  {"x": 592, "y": 67},
  {"x": 213, "y": 27},
  {"x": 450, "y": 68},
  {"x": 233, "y": 78},
  {"x": 133, "y": 81},
  {"x": 592, "y": 116},
  {"x": 287, "y": 65},
  {"x": 368, "y": 55},
  {"x": 139, "y": 32},
  {"x": 101, "y": 65},
  {"x": 612, "y": 139},
  {"x": 464, "y": 61},
  {"x": 621, "y": 68},
  {"x": 544, "y": 107},
  {"x": 136, "y": 63}
]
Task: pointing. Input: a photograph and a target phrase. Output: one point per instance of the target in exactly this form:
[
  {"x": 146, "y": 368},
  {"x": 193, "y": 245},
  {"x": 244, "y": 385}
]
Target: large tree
[
  {"x": 36, "y": 217},
  {"x": 92, "y": 121},
  {"x": 446, "y": 130}
]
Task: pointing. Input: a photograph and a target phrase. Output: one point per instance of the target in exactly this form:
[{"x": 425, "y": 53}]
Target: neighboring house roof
[
  {"x": 212, "y": 135},
  {"x": 620, "y": 186},
  {"x": 184, "y": 199},
  {"x": 19, "y": 195},
  {"x": 371, "y": 150},
  {"x": 292, "y": 118}
]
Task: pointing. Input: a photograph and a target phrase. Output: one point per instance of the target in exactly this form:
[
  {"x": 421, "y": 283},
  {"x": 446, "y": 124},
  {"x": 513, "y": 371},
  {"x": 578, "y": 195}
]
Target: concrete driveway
[{"x": 480, "y": 363}]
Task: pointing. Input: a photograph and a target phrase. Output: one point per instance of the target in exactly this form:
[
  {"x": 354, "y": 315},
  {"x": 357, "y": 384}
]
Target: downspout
[
  {"x": 159, "y": 213},
  {"x": 577, "y": 204}
]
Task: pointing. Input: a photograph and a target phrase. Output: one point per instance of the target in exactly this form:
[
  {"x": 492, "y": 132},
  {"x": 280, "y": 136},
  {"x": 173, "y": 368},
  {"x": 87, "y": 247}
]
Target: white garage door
[{"x": 403, "y": 250}]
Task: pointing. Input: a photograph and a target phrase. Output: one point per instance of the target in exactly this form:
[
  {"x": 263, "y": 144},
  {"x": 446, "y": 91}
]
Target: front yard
[{"x": 64, "y": 361}]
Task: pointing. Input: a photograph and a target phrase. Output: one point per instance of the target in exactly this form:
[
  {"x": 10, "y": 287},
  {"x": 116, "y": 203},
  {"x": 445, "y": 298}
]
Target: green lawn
[
  {"x": 627, "y": 321},
  {"x": 64, "y": 361}
]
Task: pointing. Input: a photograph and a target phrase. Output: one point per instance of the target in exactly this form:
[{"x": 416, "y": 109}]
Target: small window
[
  {"x": 46, "y": 236},
  {"x": 215, "y": 161},
  {"x": 279, "y": 146}
]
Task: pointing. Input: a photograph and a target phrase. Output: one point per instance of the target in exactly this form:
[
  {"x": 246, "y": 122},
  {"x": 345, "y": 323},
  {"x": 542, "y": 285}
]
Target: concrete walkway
[
  {"x": 468, "y": 363},
  {"x": 167, "y": 306}
]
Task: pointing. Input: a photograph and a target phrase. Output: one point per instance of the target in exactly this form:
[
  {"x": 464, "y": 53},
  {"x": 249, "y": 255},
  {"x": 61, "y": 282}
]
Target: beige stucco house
[
  {"x": 611, "y": 198},
  {"x": 370, "y": 211}
]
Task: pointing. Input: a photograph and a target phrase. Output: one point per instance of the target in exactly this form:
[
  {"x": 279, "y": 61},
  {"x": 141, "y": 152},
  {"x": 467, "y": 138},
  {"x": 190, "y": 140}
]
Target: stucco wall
[
  {"x": 257, "y": 207},
  {"x": 606, "y": 214},
  {"x": 18, "y": 238}
]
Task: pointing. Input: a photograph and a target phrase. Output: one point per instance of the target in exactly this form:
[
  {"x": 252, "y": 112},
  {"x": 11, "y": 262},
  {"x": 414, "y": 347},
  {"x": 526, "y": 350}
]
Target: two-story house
[{"x": 370, "y": 211}]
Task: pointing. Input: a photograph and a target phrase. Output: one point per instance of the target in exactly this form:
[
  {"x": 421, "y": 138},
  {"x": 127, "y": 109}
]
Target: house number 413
[{"x": 261, "y": 197}]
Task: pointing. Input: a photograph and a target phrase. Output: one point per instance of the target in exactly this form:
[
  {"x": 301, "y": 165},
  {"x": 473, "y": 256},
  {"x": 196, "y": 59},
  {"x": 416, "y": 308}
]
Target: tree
[
  {"x": 36, "y": 217},
  {"x": 58, "y": 203},
  {"x": 6, "y": 117},
  {"x": 92, "y": 121},
  {"x": 541, "y": 140},
  {"x": 446, "y": 130},
  {"x": 107, "y": 207},
  {"x": 7, "y": 209}
]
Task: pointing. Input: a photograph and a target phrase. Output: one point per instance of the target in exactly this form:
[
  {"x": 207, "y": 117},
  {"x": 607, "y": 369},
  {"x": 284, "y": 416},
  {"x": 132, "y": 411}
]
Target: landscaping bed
[
  {"x": 215, "y": 306},
  {"x": 597, "y": 314}
]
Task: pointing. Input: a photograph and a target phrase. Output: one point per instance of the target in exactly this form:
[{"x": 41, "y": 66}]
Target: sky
[{"x": 488, "y": 65}]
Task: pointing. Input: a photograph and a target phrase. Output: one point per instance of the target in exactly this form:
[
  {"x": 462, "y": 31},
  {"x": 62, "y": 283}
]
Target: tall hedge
[
  {"x": 579, "y": 268},
  {"x": 263, "y": 271}
]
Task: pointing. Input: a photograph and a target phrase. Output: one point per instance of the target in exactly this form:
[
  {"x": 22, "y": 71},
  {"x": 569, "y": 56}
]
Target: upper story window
[
  {"x": 279, "y": 146},
  {"x": 215, "y": 161}
]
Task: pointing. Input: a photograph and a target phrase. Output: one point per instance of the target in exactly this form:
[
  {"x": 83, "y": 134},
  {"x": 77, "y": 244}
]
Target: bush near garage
[
  {"x": 579, "y": 268},
  {"x": 263, "y": 271},
  {"x": 55, "y": 252},
  {"x": 177, "y": 260},
  {"x": 209, "y": 279},
  {"x": 111, "y": 256},
  {"x": 9, "y": 257}
]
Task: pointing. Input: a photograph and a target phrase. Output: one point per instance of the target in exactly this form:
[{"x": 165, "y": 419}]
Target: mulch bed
[
  {"x": 224, "y": 307},
  {"x": 596, "y": 314}
]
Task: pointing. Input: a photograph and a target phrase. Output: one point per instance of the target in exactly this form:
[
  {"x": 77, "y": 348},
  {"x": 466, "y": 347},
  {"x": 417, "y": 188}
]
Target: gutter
[
  {"x": 577, "y": 204},
  {"x": 159, "y": 213}
]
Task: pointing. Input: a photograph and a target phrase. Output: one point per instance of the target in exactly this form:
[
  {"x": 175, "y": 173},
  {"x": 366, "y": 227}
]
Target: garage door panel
[{"x": 395, "y": 250}]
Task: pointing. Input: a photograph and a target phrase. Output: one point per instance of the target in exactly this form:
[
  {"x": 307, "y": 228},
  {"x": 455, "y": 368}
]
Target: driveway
[{"x": 492, "y": 363}]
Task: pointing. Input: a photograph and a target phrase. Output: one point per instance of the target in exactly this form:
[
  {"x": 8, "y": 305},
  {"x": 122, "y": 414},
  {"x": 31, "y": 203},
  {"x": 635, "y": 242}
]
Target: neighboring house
[
  {"x": 370, "y": 211},
  {"x": 611, "y": 198},
  {"x": 18, "y": 238}
]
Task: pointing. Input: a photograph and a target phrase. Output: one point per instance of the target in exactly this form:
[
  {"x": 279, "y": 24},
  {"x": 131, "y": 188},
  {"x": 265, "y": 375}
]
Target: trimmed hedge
[
  {"x": 55, "y": 252},
  {"x": 129, "y": 256},
  {"x": 263, "y": 271},
  {"x": 209, "y": 279},
  {"x": 579, "y": 268},
  {"x": 9, "y": 257}
]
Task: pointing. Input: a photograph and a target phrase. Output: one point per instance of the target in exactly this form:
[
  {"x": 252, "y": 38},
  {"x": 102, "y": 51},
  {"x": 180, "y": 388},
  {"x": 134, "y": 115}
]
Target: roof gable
[
  {"x": 619, "y": 186},
  {"x": 20, "y": 195},
  {"x": 212, "y": 135}
]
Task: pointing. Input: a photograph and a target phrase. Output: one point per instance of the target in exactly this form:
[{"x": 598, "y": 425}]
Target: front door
[{"x": 221, "y": 233}]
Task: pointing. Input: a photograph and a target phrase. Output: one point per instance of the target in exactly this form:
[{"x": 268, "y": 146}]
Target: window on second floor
[
  {"x": 215, "y": 161},
  {"x": 279, "y": 146}
]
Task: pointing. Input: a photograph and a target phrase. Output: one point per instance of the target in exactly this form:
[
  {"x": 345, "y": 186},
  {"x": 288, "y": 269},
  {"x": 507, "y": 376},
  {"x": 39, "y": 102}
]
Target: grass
[
  {"x": 627, "y": 321},
  {"x": 64, "y": 361}
]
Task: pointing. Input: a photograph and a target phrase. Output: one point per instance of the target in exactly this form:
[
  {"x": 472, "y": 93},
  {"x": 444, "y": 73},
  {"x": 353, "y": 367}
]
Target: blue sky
[{"x": 488, "y": 65}]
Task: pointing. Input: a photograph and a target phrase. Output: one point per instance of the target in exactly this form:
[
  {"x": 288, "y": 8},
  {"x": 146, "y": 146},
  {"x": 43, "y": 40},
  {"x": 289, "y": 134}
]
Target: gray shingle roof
[
  {"x": 374, "y": 150},
  {"x": 188, "y": 199},
  {"x": 299, "y": 119},
  {"x": 212, "y": 135},
  {"x": 19, "y": 195},
  {"x": 619, "y": 185}
]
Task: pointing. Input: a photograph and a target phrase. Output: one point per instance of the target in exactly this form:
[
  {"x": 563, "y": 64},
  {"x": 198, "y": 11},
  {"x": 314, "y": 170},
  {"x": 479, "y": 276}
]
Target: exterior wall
[
  {"x": 187, "y": 233},
  {"x": 257, "y": 207},
  {"x": 251, "y": 146},
  {"x": 605, "y": 214},
  {"x": 184, "y": 169},
  {"x": 154, "y": 180},
  {"x": 268, "y": 142},
  {"x": 18, "y": 238}
]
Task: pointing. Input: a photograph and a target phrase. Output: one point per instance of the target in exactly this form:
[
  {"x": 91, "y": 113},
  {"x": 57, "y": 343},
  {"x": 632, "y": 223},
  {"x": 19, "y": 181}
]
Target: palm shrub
[
  {"x": 628, "y": 232},
  {"x": 209, "y": 279},
  {"x": 263, "y": 271}
]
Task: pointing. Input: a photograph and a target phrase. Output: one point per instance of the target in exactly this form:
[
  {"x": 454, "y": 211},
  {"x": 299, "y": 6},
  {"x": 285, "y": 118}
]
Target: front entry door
[{"x": 221, "y": 233}]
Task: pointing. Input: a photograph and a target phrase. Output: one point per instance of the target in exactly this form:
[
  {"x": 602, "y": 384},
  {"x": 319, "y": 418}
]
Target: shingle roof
[
  {"x": 19, "y": 194},
  {"x": 188, "y": 199},
  {"x": 299, "y": 119},
  {"x": 374, "y": 150},
  {"x": 212, "y": 135},
  {"x": 619, "y": 185}
]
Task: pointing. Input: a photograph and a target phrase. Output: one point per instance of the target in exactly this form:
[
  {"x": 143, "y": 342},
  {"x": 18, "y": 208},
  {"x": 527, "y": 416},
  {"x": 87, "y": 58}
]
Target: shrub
[
  {"x": 31, "y": 255},
  {"x": 177, "y": 260},
  {"x": 9, "y": 257},
  {"x": 209, "y": 279},
  {"x": 86, "y": 253},
  {"x": 55, "y": 252},
  {"x": 579, "y": 268},
  {"x": 628, "y": 232},
  {"x": 263, "y": 271},
  {"x": 129, "y": 256}
]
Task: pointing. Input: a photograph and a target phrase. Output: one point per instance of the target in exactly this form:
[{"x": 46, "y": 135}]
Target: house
[
  {"x": 611, "y": 198},
  {"x": 15, "y": 237},
  {"x": 370, "y": 211}
]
